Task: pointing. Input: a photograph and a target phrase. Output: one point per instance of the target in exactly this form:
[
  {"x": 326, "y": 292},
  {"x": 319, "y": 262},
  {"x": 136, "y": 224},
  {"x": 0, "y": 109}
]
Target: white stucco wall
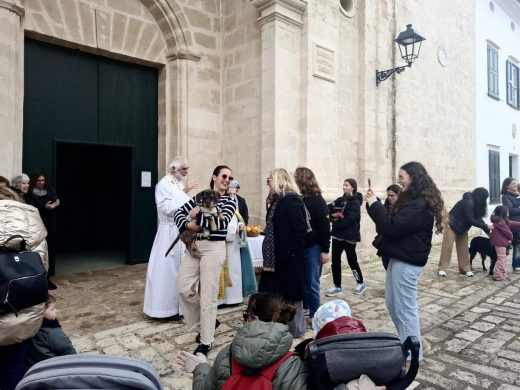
[{"x": 495, "y": 119}]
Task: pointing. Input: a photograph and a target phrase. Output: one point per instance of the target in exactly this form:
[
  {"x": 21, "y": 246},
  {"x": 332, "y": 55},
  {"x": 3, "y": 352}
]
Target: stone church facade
[{"x": 258, "y": 84}]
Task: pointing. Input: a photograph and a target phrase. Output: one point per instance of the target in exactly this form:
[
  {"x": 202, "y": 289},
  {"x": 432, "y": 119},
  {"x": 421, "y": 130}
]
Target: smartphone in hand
[{"x": 369, "y": 183}]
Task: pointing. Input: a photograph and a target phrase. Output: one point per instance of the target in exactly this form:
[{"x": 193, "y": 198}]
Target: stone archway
[{"x": 149, "y": 32}]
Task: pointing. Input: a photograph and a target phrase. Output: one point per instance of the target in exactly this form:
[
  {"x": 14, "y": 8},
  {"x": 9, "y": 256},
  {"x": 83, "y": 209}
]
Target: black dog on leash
[{"x": 482, "y": 246}]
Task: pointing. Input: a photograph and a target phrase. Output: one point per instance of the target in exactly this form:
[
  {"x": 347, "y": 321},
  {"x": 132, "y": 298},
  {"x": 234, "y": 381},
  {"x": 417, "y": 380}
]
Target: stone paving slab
[{"x": 472, "y": 324}]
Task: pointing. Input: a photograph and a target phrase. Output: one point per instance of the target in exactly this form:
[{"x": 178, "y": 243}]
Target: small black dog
[
  {"x": 207, "y": 201},
  {"x": 482, "y": 246}
]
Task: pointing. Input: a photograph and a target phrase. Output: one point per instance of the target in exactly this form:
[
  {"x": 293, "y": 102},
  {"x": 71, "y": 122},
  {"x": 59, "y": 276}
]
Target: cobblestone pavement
[{"x": 472, "y": 324}]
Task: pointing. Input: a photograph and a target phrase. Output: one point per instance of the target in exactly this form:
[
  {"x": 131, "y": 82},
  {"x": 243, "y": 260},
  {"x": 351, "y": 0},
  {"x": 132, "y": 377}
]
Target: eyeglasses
[
  {"x": 268, "y": 181},
  {"x": 225, "y": 177},
  {"x": 184, "y": 168},
  {"x": 247, "y": 315}
]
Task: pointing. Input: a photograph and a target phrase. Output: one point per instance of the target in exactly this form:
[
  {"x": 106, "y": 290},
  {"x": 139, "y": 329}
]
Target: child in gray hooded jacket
[{"x": 51, "y": 340}]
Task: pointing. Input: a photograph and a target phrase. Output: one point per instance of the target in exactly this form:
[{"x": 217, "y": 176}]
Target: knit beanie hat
[{"x": 329, "y": 312}]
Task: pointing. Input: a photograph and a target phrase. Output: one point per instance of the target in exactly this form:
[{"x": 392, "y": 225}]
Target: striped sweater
[{"x": 226, "y": 209}]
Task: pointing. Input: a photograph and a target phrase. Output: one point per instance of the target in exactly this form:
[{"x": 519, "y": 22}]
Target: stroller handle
[{"x": 413, "y": 345}]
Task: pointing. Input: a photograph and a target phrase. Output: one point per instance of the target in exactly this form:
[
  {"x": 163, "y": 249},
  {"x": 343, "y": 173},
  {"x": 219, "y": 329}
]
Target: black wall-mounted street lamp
[{"x": 407, "y": 41}]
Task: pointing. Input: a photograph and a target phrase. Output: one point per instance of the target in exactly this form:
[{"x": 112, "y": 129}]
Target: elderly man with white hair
[{"x": 160, "y": 295}]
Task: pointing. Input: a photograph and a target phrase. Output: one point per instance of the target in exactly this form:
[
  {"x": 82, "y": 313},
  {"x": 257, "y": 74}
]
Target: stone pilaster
[
  {"x": 281, "y": 22},
  {"x": 11, "y": 86},
  {"x": 175, "y": 103}
]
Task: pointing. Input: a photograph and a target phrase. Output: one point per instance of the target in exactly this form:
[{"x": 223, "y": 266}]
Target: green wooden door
[{"x": 77, "y": 98}]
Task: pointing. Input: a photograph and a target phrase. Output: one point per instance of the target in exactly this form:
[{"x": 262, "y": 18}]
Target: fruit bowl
[{"x": 253, "y": 231}]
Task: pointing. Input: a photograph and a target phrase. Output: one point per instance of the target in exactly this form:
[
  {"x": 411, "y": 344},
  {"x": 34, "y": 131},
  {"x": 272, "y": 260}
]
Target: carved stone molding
[
  {"x": 288, "y": 11},
  {"x": 183, "y": 55},
  {"x": 13, "y": 5}
]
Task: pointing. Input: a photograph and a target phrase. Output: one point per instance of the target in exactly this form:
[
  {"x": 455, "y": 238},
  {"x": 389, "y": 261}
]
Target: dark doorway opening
[{"x": 93, "y": 182}]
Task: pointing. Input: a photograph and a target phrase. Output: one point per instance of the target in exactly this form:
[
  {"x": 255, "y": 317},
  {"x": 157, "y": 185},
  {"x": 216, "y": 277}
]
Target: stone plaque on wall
[{"x": 324, "y": 63}]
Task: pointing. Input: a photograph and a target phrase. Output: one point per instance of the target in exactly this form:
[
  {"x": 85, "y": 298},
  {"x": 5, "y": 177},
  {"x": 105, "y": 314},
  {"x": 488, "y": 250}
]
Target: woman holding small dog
[
  {"x": 512, "y": 202},
  {"x": 202, "y": 308},
  {"x": 466, "y": 213},
  {"x": 407, "y": 241}
]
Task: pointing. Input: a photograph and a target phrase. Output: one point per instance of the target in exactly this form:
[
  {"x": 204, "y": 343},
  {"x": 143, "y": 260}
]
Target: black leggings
[{"x": 338, "y": 247}]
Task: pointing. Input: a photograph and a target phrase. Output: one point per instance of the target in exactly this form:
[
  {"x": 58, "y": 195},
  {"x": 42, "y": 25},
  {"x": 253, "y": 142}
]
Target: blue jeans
[
  {"x": 313, "y": 267},
  {"x": 401, "y": 298},
  {"x": 12, "y": 364},
  {"x": 516, "y": 255}
]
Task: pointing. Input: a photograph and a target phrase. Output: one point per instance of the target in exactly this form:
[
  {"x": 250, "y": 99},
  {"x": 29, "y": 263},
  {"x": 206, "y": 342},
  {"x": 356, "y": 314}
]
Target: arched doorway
[{"x": 91, "y": 123}]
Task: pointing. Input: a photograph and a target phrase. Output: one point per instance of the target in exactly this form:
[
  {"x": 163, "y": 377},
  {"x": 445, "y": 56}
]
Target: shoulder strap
[
  {"x": 23, "y": 244},
  {"x": 270, "y": 372}
]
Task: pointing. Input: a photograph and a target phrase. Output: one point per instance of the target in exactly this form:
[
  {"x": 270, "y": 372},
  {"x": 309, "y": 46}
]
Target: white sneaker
[
  {"x": 469, "y": 274},
  {"x": 441, "y": 273},
  {"x": 360, "y": 289},
  {"x": 333, "y": 291},
  {"x": 306, "y": 312},
  {"x": 516, "y": 269}
]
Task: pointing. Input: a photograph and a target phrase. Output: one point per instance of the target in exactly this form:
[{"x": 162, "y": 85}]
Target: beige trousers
[
  {"x": 201, "y": 308},
  {"x": 461, "y": 244}
]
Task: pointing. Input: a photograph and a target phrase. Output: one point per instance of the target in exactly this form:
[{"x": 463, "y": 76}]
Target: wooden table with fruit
[{"x": 255, "y": 240}]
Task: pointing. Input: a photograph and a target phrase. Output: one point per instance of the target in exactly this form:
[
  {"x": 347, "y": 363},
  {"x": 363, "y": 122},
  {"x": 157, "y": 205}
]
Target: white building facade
[{"x": 497, "y": 53}]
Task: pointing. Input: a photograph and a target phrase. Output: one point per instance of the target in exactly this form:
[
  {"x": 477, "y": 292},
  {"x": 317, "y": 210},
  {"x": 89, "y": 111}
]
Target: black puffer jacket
[
  {"x": 462, "y": 216},
  {"x": 407, "y": 236},
  {"x": 348, "y": 227}
]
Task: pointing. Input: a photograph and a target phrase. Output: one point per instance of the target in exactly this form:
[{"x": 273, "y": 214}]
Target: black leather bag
[
  {"x": 23, "y": 279},
  {"x": 339, "y": 359}
]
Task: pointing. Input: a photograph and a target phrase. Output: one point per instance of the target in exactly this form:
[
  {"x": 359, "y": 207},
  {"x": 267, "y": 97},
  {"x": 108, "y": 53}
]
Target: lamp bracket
[{"x": 384, "y": 74}]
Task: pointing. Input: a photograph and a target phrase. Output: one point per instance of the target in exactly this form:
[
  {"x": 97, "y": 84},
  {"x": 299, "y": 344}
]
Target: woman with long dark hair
[
  {"x": 512, "y": 202},
  {"x": 407, "y": 240},
  {"x": 42, "y": 196},
  {"x": 466, "y": 213},
  {"x": 317, "y": 241},
  {"x": 202, "y": 308},
  {"x": 345, "y": 214}
]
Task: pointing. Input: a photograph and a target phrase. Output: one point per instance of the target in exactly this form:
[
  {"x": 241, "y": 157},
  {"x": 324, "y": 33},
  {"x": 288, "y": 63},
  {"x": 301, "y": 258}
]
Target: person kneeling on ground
[
  {"x": 51, "y": 340},
  {"x": 260, "y": 343}
]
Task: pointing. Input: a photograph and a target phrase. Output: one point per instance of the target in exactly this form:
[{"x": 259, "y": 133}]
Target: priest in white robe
[{"x": 160, "y": 294}]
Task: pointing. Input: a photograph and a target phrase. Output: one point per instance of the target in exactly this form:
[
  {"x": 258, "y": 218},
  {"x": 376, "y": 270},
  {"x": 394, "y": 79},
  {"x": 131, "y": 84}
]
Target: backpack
[
  {"x": 339, "y": 359},
  {"x": 252, "y": 379},
  {"x": 23, "y": 278}
]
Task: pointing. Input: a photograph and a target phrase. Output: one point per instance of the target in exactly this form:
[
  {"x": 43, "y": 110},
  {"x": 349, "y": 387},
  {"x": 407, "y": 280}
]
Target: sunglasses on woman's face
[
  {"x": 225, "y": 177},
  {"x": 268, "y": 181}
]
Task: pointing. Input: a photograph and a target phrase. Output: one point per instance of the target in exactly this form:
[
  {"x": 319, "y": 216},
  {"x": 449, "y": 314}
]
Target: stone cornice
[
  {"x": 288, "y": 11},
  {"x": 511, "y": 8},
  {"x": 182, "y": 55},
  {"x": 13, "y": 5}
]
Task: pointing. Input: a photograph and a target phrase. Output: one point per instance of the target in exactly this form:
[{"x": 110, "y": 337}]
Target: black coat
[
  {"x": 320, "y": 224},
  {"x": 511, "y": 201},
  {"x": 407, "y": 235},
  {"x": 462, "y": 216},
  {"x": 242, "y": 209},
  {"x": 290, "y": 227},
  {"x": 348, "y": 227}
]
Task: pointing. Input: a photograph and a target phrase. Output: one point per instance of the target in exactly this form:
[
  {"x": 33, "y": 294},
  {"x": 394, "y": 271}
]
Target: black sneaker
[
  {"x": 197, "y": 338},
  {"x": 50, "y": 285},
  {"x": 203, "y": 349}
]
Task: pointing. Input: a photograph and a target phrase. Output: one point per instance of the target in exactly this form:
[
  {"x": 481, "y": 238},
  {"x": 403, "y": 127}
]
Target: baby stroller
[
  {"x": 339, "y": 359},
  {"x": 89, "y": 371}
]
